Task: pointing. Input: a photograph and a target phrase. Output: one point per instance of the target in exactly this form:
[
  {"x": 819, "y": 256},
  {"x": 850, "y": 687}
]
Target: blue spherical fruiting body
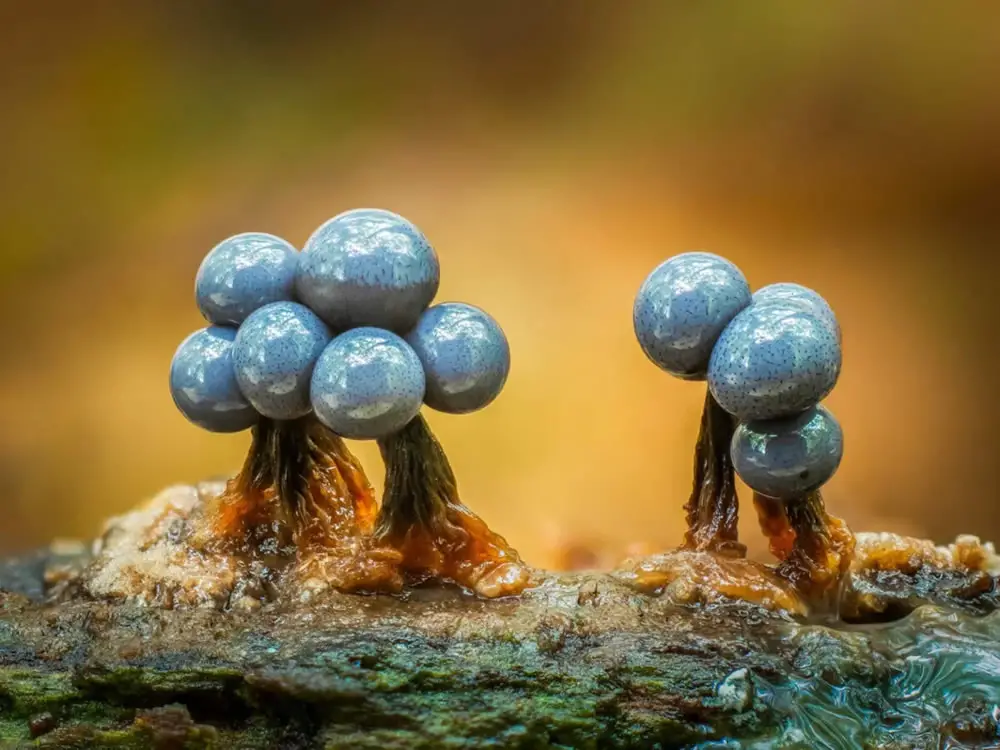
[
  {"x": 682, "y": 308},
  {"x": 791, "y": 457},
  {"x": 368, "y": 267},
  {"x": 368, "y": 384},
  {"x": 274, "y": 354},
  {"x": 773, "y": 361},
  {"x": 242, "y": 274},
  {"x": 203, "y": 382},
  {"x": 465, "y": 355},
  {"x": 797, "y": 295}
]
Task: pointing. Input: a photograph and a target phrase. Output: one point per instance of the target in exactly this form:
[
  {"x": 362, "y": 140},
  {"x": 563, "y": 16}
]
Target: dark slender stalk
[
  {"x": 815, "y": 548},
  {"x": 258, "y": 469},
  {"x": 437, "y": 536},
  {"x": 713, "y": 508},
  {"x": 294, "y": 463},
  {"x": 419, "y": 485},
  {"x": 299, "y": 485},
  {"x": 807, "y": 518}
]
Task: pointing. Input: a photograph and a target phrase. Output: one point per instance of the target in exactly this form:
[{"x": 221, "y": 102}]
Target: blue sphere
[
  {"x": 368, "y": 267},
  {"x": 368, "y": 384},
  {"x": 797, "y": 295},
  {"x": 773, "y": 361},
  {"x": 788, "y": 458},
  {"x": 465, "y": 356},
  {"x": 203, "y": 383},
  {"x": 242, "y": 274},
  {"x": 682, "y": 309},
  {"x": 274, "y": 354}
]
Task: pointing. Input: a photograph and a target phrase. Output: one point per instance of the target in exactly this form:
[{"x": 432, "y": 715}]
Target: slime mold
[
  {"x": 368, "y": 384},
  {"x": 771, "y": 367},
  {"x": 366, "y": 270},
  {"x": 799, "y": 296},
  {"x": 769, "y": 360},
  {"x": 368, "y": 267},
  {"x": 465, "y": 354},
  {"x": 680, "y": 311},
  {"x": 774, "y": 360},
  {"x": 682, "y": 308},
  {"x": 788, "y": 457},
  {"x": 274, "y": 355},
  {"x": 697, "y": 647},
  {"x": 466, "y": 359},
  {"x": 243, "y": 273},
  {"x": 362, "y": 350},
  {"x": 306, "y": 374},
  {"x": 203, "y": 382},
  {"x": 301, "y": 505}
]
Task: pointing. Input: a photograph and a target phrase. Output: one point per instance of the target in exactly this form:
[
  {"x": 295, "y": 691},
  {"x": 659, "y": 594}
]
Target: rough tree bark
[{"x": 581, "y": 661}]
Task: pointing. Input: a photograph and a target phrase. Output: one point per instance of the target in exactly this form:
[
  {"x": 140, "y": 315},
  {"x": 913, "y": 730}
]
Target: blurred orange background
[{"x": 554, "y": 152}]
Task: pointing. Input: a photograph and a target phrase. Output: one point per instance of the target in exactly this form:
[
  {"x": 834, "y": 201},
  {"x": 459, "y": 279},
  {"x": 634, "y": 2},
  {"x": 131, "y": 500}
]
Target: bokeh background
[{"x": 554, "y": 152}]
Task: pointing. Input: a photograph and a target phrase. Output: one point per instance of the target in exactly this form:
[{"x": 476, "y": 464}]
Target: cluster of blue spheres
[
  {"x": 343, "y": 329},
  {"x": 769, "y": 357}
]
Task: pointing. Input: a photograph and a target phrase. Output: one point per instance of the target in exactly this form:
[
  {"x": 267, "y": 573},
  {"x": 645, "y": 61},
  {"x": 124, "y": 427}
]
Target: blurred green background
[{"x": 554, "y": 152}]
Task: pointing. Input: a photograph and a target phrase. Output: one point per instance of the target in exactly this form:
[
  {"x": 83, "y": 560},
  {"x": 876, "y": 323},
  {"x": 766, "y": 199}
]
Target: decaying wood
[{"x": 660, "y": 653}]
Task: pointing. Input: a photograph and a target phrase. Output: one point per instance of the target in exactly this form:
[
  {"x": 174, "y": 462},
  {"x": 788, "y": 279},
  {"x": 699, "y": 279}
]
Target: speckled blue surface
[
  {"x": 203, "y": 382},
  {"x": 798, "y": 296},
  {"x": 242, "y": 274},
  {"x": 682, "y": 308},
  {"x": 465, "y": 355},
  {"x": 368, "y": 267},
  {"x": 787, "y": 458},
  {"x": 274, "y": 354},
  {"x": 368, "y": 384},
  {"x": 773, "y": 361}
]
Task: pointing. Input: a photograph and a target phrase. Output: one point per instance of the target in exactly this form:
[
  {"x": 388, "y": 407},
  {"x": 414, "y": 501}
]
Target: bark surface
[{"x": 579, "y": 661}]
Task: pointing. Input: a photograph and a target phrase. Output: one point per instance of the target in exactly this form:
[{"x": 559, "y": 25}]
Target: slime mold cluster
[
  {"x": 769, "y": 358},
  {"x": 697, "y": 645},
  {"x": 340, "y": 341}
]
